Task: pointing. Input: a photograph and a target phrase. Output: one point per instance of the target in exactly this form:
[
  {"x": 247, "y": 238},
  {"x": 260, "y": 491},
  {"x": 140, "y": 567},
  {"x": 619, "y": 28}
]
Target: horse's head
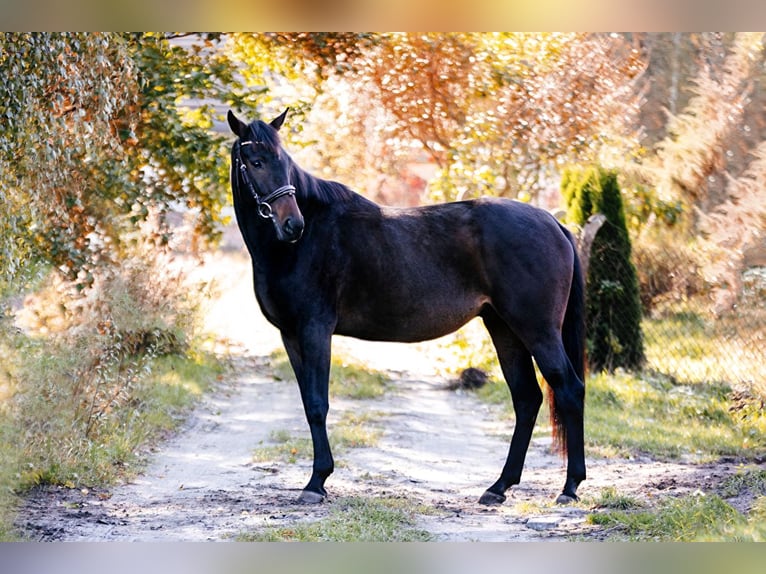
[{"x": 264, "y": 168}]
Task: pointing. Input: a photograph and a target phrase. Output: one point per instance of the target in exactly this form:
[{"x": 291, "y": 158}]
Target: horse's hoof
[
  {"x": 491, "y": 498},
  {"x": 311, "y": 497},
  {"x": 565, "y": 499}
]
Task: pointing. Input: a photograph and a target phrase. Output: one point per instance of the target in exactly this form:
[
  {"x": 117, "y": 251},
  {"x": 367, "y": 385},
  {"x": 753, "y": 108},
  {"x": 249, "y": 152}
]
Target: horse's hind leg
[
  {"x": 569, "y": 401},
  {"x": 519, "y": 372}
]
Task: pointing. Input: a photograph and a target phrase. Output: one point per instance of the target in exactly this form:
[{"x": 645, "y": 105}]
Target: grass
[
  {"x": 610, "y": 498},
  {"x": 647, "y": 414},
  {"x": 696, "y": 348},
  {"x": 53, "y": 430},
  {"x": 684, "y": 406},
  {"x": 663, "y": 416},
  {"x": 698, "y": 517},
  {"x": 70, "y": 445},
  {"x": 630, "y": 414},
  {"x": 347, "y": 379},
  {"x": 353, "y": 519},
  {"x": 351, "y": 431},
  {"x": 746, "y": 480},
  {"x": 688, "y": 519}
]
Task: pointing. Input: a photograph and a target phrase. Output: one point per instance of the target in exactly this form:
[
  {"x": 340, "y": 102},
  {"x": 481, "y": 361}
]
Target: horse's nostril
[{"x": 293, "y": 227}]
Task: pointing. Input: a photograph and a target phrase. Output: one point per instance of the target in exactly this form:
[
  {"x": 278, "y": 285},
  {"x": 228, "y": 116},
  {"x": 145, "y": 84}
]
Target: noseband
[{"x": 264, "y": 204}]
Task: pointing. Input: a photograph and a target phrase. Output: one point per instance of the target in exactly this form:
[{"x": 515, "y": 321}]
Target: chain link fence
[{"x": 686, "y": 337}]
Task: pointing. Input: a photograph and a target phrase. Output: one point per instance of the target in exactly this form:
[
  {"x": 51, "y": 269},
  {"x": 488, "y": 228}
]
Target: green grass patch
[
  {"x": 695, "y": 347},
  {"x": 610, "y": 498},
  {"x": 682, "y": 405},
  {"x": 353, "y": 519},
  {"x": 351, "y": 431},
  {"x": 628, "y": 414},
  {"x": 347, "y": 379},
  {"x": 648, "y": 414},
  {"x": 746, "y": 480},
  {"x": 94, "y": 440},
  {"x": 495, "y": 392},
  {"x": 285, "y": 448},
  {"x": 695, "y": 518}
]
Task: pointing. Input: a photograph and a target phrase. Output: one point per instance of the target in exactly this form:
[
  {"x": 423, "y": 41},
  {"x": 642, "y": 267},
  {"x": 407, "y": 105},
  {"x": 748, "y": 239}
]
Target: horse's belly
[{"x": 416, "y": 321}]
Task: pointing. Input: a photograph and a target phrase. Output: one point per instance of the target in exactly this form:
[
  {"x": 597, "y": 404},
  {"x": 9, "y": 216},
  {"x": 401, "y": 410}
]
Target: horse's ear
[
  {"x": 276, "y": 123},
  {"x": 238, "y": 127}
]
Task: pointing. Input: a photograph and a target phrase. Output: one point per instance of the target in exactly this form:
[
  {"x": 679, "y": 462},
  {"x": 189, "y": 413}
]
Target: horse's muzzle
[{"x": 292, "y": 229}]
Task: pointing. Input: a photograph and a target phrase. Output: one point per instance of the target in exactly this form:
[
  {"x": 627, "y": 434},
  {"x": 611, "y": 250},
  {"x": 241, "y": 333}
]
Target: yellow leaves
[{"x": 195, "y": 118}]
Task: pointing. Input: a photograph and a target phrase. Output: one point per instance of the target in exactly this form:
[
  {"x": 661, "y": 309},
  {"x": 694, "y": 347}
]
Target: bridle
[{"x": 264, "y": 204}]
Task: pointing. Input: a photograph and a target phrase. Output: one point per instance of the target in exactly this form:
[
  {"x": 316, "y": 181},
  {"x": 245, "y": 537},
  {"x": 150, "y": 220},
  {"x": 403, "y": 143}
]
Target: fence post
[{"x": 585, "y": 239}]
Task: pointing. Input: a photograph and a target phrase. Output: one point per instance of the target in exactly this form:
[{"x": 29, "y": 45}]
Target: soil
[{"x": 439, "y": 448}]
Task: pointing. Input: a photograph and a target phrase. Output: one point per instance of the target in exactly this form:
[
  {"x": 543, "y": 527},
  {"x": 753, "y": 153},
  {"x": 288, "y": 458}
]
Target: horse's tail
[{"x": 573, "y": 336}]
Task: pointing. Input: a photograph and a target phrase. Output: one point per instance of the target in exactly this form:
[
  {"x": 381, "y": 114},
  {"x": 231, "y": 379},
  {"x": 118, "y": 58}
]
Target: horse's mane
[
  {"x": 307, "y": 186},
  {"x": 320, "y": 190}
]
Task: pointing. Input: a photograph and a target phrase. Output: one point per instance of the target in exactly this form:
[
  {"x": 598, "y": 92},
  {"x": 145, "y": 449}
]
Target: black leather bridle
[{"x": 264, "y": 203}]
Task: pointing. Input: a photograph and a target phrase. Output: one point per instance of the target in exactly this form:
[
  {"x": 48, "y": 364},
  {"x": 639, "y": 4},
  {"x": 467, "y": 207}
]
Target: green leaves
[{"x": 95, "y": 140}]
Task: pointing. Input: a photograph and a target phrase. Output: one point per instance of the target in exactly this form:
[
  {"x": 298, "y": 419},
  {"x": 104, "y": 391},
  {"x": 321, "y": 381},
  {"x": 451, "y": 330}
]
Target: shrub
[
  {"x": 612, "y": 296},
  {"x": 87, "y": 373}
]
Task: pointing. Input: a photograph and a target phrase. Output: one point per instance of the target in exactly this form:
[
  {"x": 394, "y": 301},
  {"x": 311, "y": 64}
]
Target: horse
[{"x": 327, "y": 261}]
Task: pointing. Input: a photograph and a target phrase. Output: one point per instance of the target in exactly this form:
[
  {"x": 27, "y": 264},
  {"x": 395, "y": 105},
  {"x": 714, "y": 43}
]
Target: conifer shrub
[{"x": 613, "y": 305}]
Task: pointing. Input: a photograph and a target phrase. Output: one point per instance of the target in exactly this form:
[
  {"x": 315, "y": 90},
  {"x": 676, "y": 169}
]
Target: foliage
[
  {"x": 59, "y": 96},
  {"x": 494, "y": 112},
  {"x": 710, "y": 161},
  {"x": 695, "y": 147},
  {"x": 669, "y": 267},
  {"x": 353, "y": 520},
  {"x": 733, "y": 225},
  {"x": 613, "y": 307},
  {"x": 98, "y": 387},
  {"x": 95, "y": 140}
]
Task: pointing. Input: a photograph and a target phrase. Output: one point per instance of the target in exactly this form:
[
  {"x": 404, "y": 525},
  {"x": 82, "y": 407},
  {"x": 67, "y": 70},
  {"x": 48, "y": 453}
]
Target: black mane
[
  {"x": 307, "y": 186},
  {"x": 313, "y": 188}
]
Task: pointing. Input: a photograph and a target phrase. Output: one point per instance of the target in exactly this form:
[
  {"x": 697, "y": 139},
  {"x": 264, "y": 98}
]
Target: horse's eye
[{"x": 257, "y": 164}]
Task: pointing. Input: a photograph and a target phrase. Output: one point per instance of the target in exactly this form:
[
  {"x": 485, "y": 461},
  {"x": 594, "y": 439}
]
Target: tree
[
  {"x": 496, "y": 113},
  {"x": 710, "y": 161},
  {"x": 613, "y": 306},
  {"x": 690, "y": 159},
  {"x": 58, "y": 95},
  {"x": 95, "y": 139}
]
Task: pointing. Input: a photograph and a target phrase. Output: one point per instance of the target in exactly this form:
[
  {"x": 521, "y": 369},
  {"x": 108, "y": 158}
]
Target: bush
[
  {"x": 669, "y": 268},
  {"x": 88, "y": 376},
  {"x": 613, "y": 306}
]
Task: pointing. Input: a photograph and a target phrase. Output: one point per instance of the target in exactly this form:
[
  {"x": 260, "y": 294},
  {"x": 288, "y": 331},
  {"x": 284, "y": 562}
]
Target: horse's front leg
[{"x": 309, "y": 354}]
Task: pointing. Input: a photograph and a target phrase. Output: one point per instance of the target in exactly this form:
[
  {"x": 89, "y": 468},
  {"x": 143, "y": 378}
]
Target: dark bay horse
[{"x": 326, "y": 260}]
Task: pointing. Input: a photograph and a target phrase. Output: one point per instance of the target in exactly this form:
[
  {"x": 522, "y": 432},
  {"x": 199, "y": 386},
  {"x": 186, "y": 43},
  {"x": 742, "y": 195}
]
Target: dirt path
[{"x": 439, "y": 448}]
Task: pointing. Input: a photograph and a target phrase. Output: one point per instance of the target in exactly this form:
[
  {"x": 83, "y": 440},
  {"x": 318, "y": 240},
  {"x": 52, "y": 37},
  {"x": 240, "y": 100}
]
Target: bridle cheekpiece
[{"x": 264, "y": 204}]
